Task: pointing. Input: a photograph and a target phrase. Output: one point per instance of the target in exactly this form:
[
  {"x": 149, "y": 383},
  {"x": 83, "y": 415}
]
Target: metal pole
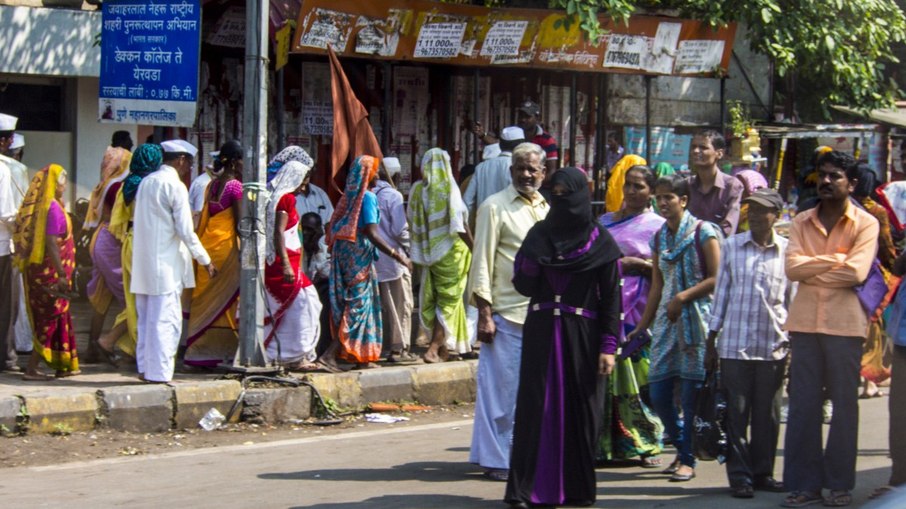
[
  {"x": 648, "y": 119},
  {"x": 281, "y": 112},
  {"x": 723, "y": 106},
  {"x": 251, "y": 227},
  {"x": 476, "y": 148},
  {"x": 573, "y": 118}
]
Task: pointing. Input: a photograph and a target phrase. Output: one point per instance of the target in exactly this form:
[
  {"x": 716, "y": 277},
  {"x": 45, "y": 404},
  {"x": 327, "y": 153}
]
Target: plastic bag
[{"x": 709, "y": 440}]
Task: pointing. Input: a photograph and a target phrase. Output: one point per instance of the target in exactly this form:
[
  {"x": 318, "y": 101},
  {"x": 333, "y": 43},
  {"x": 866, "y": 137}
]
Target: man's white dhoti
[
  {"x": 23, "y": 332},
  {"x": 495, "y": 404},
  {"x": 159, "y": 329}
]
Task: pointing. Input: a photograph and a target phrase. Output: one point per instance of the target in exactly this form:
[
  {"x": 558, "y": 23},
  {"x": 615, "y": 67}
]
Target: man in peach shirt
[{"x": 830, "y": 251}]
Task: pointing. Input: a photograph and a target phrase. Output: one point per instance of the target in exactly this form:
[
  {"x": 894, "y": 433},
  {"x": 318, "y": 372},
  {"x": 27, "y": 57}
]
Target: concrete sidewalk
[{"x": 103, "y": 396}]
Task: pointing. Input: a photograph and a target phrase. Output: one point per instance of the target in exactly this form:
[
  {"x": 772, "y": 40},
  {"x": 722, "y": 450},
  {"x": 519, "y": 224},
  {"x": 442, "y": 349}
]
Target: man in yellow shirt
[
  {"x": 830, "y": 251},
  {"x": 503, "y": 221}
]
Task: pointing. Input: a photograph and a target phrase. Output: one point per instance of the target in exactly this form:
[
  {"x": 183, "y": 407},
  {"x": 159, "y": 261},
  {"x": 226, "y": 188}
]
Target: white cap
[
  {"x": 179, "y": 147},
  {"x": 512, "y": 134},
  {"x": 392, "y": 165},
  {"x": 8, "y": 122},
  {"x": 214, "y": 154},
  {"x": 18, "y": 141},
  {"x": 490, "y": 151}
]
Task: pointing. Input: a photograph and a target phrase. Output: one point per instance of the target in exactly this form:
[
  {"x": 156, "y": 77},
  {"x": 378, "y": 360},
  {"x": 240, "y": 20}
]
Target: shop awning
[
  {"x": 805, "y": 131},
  {"x": 893, "y": 117}
]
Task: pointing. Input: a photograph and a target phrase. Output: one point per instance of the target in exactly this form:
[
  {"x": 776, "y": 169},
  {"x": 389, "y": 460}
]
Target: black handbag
[{"x": 709, "y": 439}]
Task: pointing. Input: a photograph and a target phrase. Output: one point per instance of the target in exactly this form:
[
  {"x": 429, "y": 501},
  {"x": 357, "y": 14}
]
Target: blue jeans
[{"x": 680, "y": 430}]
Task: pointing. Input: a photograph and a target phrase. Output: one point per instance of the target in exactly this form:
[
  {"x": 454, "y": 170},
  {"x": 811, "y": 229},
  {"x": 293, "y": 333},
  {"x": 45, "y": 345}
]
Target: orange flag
[{"x": 351, "y": 129}]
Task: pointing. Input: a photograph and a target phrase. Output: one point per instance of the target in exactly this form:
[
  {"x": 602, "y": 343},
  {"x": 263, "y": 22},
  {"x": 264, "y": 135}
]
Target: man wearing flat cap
[
  {"x": 529, "y": 119},
  {"x": 750, "y": 308},
  {"x": 163, "y": 247}
]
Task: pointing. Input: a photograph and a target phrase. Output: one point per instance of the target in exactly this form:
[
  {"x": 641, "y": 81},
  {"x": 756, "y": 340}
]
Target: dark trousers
[
  {"x": 9, "y": 307},
  {"x": 753, "y": 392},
  {"x": 897, "y": 407},
  {"x": 822, "y": 363}
]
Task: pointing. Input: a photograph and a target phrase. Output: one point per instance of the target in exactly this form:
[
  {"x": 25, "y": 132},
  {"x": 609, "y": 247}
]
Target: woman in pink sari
[{"x": 630, "y": 428}]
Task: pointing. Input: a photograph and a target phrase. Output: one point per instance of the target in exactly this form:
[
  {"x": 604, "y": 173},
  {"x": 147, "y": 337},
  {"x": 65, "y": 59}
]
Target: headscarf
[
  {"x": 613, "y": 198},
  {"x": 569, "y": 237},
  {"x": 663, "y": 169},
  {"x": 752, "y": 181},
  {"x": 114, "y": 168},
  {"x": 435, "y": 209},
  {"x": 867, "y": 182},
  {"x": 146, "y": 159},
  {"x": 290, "y": 153},
  {"x": 344, "y": 224},
  {"x": 31, "y": 221},
  {"x": 287, "y": 180}
]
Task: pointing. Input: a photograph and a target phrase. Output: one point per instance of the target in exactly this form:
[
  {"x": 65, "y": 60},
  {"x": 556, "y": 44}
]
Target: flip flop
[
  {"x": 40, "y": 377},
  {"x": 323, "y": 366},
  {"x": 67, "y": 374},
  {"x": 801, "y": 499},
  {"x": 840, "y": 498}
]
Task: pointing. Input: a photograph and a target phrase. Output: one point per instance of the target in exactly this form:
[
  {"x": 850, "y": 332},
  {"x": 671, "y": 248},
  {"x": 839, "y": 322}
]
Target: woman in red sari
[
  {"x": 292, "y": 324},
  {"x": 45, "y": 253}
]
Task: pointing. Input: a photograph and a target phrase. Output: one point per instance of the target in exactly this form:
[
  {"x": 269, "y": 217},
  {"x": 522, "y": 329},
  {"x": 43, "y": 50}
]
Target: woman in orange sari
[
  {"x": 45, "y": 254},
  {"x": 213, "y": 327}
]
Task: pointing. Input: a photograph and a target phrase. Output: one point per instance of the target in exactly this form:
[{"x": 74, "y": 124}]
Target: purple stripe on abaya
[{"x": 548, "y": 486}]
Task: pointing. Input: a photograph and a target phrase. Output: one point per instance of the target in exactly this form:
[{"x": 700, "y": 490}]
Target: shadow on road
[
  {"x": 419, "y": 501},
  {"x": 427, "y": 471}
]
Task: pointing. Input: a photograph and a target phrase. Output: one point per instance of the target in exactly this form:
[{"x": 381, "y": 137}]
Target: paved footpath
[{"x": 374, "y": 467}]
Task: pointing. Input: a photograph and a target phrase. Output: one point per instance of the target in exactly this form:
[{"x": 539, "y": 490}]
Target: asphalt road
[{"x": 375, "y": 467}]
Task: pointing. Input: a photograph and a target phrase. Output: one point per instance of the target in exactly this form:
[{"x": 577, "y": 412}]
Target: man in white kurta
[
  {"x": 9, "y": 290},
  {"x": 493, "y": 175},
  {"x": 164, "y": 243},
  {"x": 504, "y": 220},
  {"x": 19, "y": 173}
]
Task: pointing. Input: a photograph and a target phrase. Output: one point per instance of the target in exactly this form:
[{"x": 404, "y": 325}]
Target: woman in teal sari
[{"x": 355, "y": 300}]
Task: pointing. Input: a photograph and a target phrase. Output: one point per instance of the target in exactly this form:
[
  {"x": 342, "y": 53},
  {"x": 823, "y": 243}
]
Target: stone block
[
  {"x": 194, "y": 400},
  {"x": 444, "y": 384},
  {"x": 137, "y": 408},
  {"x": 343, "y": 388},
  {"x": 48, "y": 413},
  {"x": 10, "y": 407},
  {"x": 386, "y": 384},
  {"x": 272, "y": 406}
]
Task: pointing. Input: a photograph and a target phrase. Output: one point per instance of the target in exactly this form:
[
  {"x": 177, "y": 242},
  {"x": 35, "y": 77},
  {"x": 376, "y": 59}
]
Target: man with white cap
[
  {"x": 394, "y": 279},
  {"x": 9, "y": 288},
  {"x": 312, "y": 198},
  {"x": 164, "y": 237},
  {"x": 493, "y": 175},
  {"x": 20, "y": 179}
]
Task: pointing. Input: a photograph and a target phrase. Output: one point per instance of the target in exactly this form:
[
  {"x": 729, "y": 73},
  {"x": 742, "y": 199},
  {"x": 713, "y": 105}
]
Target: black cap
[
  {"x": 766, "y": 197},
  {"x": 530, "y": 108}
]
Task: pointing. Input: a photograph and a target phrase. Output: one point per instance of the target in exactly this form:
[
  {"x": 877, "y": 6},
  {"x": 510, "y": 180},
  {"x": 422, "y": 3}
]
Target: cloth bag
[
  {"x": 709, "y": 439},
  {"x": 871, "y": 293}
]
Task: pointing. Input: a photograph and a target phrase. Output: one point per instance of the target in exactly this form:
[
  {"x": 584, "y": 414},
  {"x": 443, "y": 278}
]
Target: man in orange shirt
[{"x": 830, "y": 251}]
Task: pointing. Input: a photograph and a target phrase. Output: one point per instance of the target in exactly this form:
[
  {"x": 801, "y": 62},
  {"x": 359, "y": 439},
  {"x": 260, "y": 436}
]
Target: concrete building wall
[{"x": 50, "y": 42}]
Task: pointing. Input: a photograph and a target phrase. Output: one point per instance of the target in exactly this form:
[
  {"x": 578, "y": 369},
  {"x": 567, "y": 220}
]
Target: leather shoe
[
  {"x": 742, "y": 491},
  {"x": 769, "y": 484}
]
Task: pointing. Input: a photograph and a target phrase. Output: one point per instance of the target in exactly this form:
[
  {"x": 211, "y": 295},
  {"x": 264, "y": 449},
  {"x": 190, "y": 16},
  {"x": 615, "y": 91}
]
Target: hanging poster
[
  {"x": 328, "y": 27},
  {"x": 149, "y": 62},
  {"x": 698, "y": 56},
  {"x": 229, "y": 31},
  {"x": 504, "y": 38},
  {"x": 317, "y": 104},
  {"x": 439, "y": 40}
]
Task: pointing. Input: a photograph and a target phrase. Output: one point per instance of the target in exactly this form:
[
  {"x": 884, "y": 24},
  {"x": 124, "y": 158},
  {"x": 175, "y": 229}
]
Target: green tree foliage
[{"x": 837, "y": 49}]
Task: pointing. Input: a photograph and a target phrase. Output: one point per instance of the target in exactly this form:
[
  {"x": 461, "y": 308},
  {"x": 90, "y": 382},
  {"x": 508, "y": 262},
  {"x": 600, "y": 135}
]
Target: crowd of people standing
[{"x": 596, "y": 333}]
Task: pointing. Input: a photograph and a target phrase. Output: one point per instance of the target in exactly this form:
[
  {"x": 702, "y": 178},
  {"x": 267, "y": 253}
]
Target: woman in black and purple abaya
[{"x": 568, "y": 266}]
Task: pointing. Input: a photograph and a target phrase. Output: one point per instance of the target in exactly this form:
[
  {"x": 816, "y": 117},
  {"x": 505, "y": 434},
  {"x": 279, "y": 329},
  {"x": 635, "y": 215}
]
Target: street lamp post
[{"x": 251, "y": 355}]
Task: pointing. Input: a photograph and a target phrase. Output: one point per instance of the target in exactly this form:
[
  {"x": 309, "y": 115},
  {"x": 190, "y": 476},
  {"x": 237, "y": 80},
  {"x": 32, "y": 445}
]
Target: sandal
[
  {"x": 330, "y": 368},
  {"x": 37, "y": 377},
  {"x": 650, "y": 462},
  {"x": 840, "y": 498},
  {"x": 884, "y": 490},
  {"x": 67, "y": 374},
  {"x": 400, "y": 358},
  {"x": 801, "y": 499}
]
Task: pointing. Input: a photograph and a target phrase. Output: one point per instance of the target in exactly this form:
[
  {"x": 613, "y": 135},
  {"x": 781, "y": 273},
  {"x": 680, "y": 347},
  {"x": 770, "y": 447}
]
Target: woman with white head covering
[{"x": 292, "y": 323}]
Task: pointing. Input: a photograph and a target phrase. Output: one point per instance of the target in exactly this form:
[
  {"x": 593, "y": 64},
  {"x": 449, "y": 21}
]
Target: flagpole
[{"x": 251, "y": 353}]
